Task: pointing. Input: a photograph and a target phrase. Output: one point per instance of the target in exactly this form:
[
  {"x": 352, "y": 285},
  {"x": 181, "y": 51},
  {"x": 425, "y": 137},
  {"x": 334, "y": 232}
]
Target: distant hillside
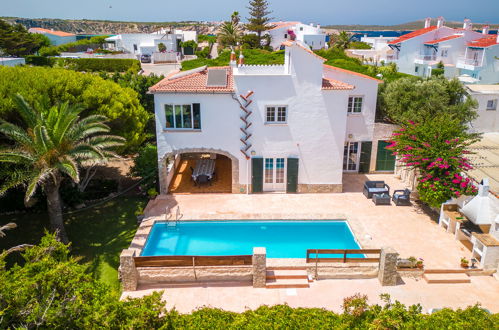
[
  {"x": 403, "y": 27},
  {"x": 107, "y": 27}
]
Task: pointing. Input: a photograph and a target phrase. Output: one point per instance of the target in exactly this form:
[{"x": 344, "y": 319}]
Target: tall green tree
[
  {"x": 51, "y": 145},
  {"x": 230, "y": 32},
  {"x": 259, "y": 20},
  {"x": 15, "y": 40},
  {"x": 341, "y": 40}
]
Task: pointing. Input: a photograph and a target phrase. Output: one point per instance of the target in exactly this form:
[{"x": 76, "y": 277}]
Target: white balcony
[
  {"x": 469, "y": 63},
  {"x": 425, "y": 59},
  {"x": 392, "y": 58}
]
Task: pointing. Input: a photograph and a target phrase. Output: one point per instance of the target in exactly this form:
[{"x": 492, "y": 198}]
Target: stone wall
[
  {"x": 127, "y": 272},
  {"x": 148, "y": 275},
  {"x": 259, "y": 267},
  {"x": 342, "y": 271},
  {"x": 388, "y": 274},
  {"x": 320, "y": 188}
]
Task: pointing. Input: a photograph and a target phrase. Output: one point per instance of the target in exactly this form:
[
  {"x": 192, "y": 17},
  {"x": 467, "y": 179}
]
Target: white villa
[
  {"x": 292, "y": 128},
  {"x": 466, "y": 54},
  {"x": 310, "y": 35},
  {"x": 487, "y": 97}
]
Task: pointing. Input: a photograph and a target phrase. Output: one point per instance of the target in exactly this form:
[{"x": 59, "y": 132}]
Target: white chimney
[
  {"x": 440, "y": 21},
  {"x": 427, "y": 22},
  {"x": 497, "y": 39},
  {"x": 485, "y": 29},
  {"x": 318, "y": 26},
  {"x": 233, "y": 61},
  {"x": 467, "y": 25}
]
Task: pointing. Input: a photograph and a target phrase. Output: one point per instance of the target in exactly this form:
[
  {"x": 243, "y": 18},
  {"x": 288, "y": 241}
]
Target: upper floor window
[
  {"x": 276, "y": 115},
  {"x": 183, "y": 116},
  {"x": 355, "y": 104},
  {"x": 492, "y": 104},
  {"x": 444, "y": 52},
  {"x": 301, "y": 28},
  {"x": 285, "y": 36}
]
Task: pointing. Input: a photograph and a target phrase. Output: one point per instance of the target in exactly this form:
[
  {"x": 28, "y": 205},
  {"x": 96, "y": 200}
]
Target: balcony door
[
  {"x": 351, "y": 154},
  {"x": 274, "y": 174}
]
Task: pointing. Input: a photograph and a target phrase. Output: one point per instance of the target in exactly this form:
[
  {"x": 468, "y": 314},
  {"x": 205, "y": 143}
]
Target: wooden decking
[{"x": 183, "y": 184}]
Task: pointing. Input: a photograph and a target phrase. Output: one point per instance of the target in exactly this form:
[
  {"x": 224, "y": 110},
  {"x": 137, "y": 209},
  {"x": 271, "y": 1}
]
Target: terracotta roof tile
[
  {"x": 326, "y": 66},
  {"x": 56, "y": 33},
  {"x": 193, "y": 83},
  {"x": 278, "y": 25},
  {"x": 331, "y": 84},
  {"x": 412, "y": 35},
  {"x": 436, "y": 41},
  {"x": 489, "y": 40}
]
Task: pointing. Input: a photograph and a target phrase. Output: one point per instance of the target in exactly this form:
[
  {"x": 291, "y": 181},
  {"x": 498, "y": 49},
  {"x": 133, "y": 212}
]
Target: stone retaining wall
[
  {"x": 148, "y": 275},
  {"x": 343, "y": 271}
]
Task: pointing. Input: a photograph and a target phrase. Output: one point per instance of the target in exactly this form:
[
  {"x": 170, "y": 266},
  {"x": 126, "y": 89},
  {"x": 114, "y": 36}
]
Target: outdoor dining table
[{"x": 204, "y": 166}]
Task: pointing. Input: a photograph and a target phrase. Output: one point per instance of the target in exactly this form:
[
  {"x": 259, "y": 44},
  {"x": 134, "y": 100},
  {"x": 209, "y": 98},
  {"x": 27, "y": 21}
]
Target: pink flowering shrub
[{"x": 437, "y": 150}]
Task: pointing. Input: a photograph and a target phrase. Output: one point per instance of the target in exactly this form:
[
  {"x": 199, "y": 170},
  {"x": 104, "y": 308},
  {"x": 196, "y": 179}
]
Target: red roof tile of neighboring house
[
  {"x": 436, "y": 41},
  {"x": 326, "y": 66},
  {"x": 331, "y": 84},
  {"x": 489, "y": 40},
  {"x": 56, "y": 33},
  {"x": 193, "y": 83},
  {"x": 412, "y": 34},
  {"x": 278, "y": 25},
  {"x": 292, "y": 43}
]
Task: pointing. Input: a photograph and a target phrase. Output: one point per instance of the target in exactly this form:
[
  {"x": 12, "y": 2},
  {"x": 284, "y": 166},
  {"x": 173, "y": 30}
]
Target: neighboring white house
[
  {"x": 465, "y": 53},
  {"x": 56, "y": 37},
  {"x": 144, "y": 44},
  {"x": 310, "y": 35},
  {"x": 487, "y": 97},
  {"x": 379, "y": 49},
  {"x": 294, "y": 127},
  {"x": 12, "y": 61}
]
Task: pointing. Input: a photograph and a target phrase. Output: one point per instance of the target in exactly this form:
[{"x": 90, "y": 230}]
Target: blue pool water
[{"x": 282, "y": 239}]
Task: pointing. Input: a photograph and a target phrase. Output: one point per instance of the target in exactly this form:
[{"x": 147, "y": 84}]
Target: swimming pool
[{"x": 282, "y": 239}]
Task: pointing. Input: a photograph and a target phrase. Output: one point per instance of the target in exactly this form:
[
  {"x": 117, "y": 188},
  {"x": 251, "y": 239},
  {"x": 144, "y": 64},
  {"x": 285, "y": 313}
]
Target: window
[
  {"x": 276, "y": 115},
  {"x": 351, "y": 156},
  {"x": 183, "y": 116},
  {"x": 301, "y": 28},
  {"x": 492, "y": 104},
  {"x": 135, "y": 47},
  {"x": 269, "y": 170},
  {"x": 279, "y": 170},
  {"x": 444, "y": 52},
  {"x": 416, "y": 69},
  {"x": 355, "y": 104},
  {"x": 285, "y": 36}
]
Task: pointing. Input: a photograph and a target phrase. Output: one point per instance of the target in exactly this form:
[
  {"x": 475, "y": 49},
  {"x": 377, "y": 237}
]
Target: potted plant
[
  {"x": 152, "y": 193},
  {"x": 413, "y": 261},
  {"x": 464, "y": 262},
  {"x": 419, "y": 263}
]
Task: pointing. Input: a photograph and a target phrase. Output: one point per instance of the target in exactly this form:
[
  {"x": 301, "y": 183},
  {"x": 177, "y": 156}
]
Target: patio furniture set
[
  {"x": 203, "y": 172},
  {"x": 379, "y": 191}
]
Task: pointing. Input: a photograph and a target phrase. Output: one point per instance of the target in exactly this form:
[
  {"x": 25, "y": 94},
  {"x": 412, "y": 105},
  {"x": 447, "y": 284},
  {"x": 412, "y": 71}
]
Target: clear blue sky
[{"x": 316, "y": 11}]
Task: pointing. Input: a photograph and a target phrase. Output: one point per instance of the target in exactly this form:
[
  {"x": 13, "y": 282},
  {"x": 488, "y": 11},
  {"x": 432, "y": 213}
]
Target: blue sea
[{"x": 359, "y": 34}]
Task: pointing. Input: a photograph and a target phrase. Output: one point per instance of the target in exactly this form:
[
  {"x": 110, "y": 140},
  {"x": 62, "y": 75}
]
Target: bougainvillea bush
[{"x": 437, "y": 150}]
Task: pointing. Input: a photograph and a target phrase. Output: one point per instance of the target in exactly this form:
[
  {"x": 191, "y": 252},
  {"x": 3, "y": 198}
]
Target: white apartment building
[
  {"x": 295, "y": 127},
  {"x": 465, "y": 53},
  {"x": 311, "y": 35},
  {"x": 487, "y": 97}
]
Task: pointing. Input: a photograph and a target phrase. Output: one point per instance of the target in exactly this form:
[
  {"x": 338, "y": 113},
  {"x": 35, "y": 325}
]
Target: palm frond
[
  {"x": 42, "y": 137},
  {"x": 27, "y": 113},
  {"x": 84, "y": 151},
  {"x": 69, "y": 167},
  {"x": 106, "y": 141},
  {"x": 8, "y": 226},
  {"x": 35, "y": 181},
  {"x": 15, "y": 156},
  {"x": 14, "y": 133},
  {"x": 16, "y": 177}
]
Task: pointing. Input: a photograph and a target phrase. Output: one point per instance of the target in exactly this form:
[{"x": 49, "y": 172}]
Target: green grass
[
  {"x": 251, "y": 56},
  {"x": 98, "y": 234}
]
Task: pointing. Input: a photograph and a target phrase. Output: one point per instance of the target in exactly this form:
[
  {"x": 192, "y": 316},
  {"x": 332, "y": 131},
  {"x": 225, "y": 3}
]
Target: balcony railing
[
  {"x": 425, "y": 57},
  {"x": 469, "y": 61},
  {"x": 392, "y": 57}
]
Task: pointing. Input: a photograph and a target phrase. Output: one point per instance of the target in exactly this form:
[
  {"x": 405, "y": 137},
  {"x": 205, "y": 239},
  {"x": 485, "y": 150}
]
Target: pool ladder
[{"x": 172, "y": 221}]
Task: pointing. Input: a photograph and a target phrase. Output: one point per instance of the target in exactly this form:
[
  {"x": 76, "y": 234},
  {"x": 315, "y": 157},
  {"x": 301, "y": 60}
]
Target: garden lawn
[{"x": 98, "y": 234}]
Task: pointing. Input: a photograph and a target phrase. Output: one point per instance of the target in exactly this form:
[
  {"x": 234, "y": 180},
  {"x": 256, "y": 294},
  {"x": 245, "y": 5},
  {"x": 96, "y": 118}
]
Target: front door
[
  {"x": 351, "y": 154},
  {"x": 274, "y": 174}
]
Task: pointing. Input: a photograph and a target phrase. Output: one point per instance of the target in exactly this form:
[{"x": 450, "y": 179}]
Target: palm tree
[
  {"x": 342, "y": 40},
  {"x": 50, "y": 147},
  {"x": 230, "y": 32}
]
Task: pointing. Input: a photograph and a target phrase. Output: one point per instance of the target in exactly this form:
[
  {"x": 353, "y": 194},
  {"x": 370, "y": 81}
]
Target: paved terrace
[{"x": 408, "y": 229}]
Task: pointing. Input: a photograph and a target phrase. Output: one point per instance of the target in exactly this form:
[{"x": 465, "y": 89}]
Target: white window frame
[
  {"x": 276, "y": 115},
  {"x": 356, "y": 161},
  {"x": 493, "y": 106},
  {"x": 350, "y": 110},
  {"x": 175, "y": 128}
]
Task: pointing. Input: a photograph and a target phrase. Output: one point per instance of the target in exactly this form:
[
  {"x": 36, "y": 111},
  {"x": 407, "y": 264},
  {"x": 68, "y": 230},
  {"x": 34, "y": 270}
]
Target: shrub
[
  {"x": 145, "y": 165},
  {"x": 40, "y": 60},
  {"x": 358, "y": 45}
]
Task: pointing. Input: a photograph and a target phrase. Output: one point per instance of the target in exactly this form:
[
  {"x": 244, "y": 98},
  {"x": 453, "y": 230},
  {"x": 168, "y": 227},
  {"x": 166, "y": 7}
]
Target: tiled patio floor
[{"x": 409, "y": 230}]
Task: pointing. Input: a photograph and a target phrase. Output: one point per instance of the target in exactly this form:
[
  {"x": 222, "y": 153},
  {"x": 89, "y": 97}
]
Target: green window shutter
[
  {"x": 257, "y": 174},
  {"x": 292, "y": 180},
  {"x": 365, "y": 156},
  {"x": 385, "y": 160}
]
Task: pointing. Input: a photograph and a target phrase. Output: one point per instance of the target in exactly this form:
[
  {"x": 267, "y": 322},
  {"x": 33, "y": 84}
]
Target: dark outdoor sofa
[{"x": 375, "y": 187}]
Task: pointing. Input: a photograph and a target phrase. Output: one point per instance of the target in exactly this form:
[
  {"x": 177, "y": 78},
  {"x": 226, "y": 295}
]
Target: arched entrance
[{"x": 176, "y": 169}]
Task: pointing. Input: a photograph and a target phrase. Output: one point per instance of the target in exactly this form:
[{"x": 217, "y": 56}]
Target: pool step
[
  {"x": 447, "y": 278},
  {"x": 287, "y": 278}
]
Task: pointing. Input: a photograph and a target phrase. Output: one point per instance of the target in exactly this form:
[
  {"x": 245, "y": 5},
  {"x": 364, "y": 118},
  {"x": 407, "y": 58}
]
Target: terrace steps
[
  {"x": 452, "y": 277},
  {"x": 287, "y": 278}
]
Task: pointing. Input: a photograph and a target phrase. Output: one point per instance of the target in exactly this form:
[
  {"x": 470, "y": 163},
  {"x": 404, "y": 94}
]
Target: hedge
[{"x": 87, "y": 64}]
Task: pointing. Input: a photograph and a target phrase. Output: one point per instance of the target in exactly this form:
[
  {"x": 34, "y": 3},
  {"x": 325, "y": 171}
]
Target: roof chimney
[
  {"x": 233, "y": 61},
  {"x": 467, "y": 25},
  {"x": 497, "y": 39},
  {"x": 427, "y": 22},
  {"x": 485, "y": 29},
  {"x": 241, "y": 59},
  {"x": 440, "y": 21}
]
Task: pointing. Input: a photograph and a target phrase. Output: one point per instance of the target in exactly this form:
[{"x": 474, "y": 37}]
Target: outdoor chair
[
  {"x": 381, "y": 199},
  {"x": 375, "y": 187},
  {"x": 402, "y": 197},
  {"x": 202, "y": 179}
]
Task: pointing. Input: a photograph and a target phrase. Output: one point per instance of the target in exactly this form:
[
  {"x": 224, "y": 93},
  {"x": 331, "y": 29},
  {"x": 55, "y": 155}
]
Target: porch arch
[{"x": 164, "y": 171}]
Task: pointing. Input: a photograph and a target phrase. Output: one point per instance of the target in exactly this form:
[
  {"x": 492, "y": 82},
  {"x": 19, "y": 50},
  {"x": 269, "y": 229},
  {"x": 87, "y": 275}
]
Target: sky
[{"x": 381, "y": 12}]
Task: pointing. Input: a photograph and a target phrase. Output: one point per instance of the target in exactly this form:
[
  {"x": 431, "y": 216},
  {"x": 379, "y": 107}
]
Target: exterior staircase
[
  {"x": 286, "y": 278},
  {"x": 446, "y": 276}
]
